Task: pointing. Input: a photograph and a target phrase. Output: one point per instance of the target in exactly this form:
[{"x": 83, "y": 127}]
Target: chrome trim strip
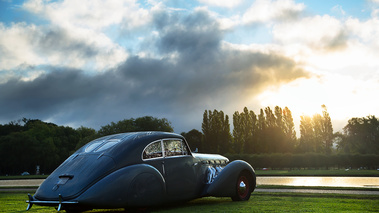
[{"x": 59, "y": 203}]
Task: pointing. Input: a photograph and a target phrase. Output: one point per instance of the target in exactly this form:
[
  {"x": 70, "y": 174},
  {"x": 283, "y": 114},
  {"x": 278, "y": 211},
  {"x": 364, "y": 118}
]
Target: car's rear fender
[
  {"x": 224, "y": 184},
  {"x": 136, "y": 185}
]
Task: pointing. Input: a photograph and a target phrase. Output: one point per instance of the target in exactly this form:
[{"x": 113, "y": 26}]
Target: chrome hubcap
[{"x": 242, "y": 187}]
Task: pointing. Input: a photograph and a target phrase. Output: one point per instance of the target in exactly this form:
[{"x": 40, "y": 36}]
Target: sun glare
[
  {"x": 302, "y": 97},
  {"x": 344, "y": 97}
]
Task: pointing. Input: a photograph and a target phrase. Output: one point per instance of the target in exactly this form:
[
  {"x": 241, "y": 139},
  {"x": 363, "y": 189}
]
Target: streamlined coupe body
[{"x": 141, "y": 169}]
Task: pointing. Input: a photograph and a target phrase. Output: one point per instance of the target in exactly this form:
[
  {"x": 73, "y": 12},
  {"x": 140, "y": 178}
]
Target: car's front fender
[
  {"x": 224, "y": 184},
  {"x": 136, "y": 185}
]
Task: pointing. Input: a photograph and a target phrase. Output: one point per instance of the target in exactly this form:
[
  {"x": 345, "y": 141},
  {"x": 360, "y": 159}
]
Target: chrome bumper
[{"x": 58, "y": 203}]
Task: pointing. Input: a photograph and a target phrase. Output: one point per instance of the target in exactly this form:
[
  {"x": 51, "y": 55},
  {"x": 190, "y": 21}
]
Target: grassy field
[{"x": 259, "y": 202}]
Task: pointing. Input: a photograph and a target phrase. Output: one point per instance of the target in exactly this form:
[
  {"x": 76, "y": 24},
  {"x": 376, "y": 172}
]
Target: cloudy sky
[{"x": 91, "y": 62}]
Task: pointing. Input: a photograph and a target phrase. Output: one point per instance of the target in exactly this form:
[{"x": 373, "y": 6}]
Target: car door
[{"x": 180, "y": 170}]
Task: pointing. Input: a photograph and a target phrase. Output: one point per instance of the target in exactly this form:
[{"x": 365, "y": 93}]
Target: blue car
[{"x": 141, "y": 169}]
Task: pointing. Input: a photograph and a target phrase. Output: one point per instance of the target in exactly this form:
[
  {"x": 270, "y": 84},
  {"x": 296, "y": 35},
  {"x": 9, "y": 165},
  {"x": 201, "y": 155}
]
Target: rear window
[
  {"x": 98, "y": 146},
  {"x": 93, "y": 146},
  {"x": 153, "y": 150}
]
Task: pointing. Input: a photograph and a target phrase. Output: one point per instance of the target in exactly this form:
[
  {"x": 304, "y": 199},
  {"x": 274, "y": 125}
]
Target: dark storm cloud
[
  {"x": 58, "y": 40},
  {"x": 46, "y": 95},
  {"x": 203, "y": 75}
]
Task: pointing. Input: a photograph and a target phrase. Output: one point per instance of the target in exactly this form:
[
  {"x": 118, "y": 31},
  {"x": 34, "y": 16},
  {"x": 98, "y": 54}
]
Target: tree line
[
  {"x": 270, "y": 131},
  {"x": 26, "y": 143},
  {"x": 273, "y": 131},
  {"x": 30, "y": 142}
]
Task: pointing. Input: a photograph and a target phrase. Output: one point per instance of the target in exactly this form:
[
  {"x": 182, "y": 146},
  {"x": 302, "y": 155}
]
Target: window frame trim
[{"x": 162, "y": 149}]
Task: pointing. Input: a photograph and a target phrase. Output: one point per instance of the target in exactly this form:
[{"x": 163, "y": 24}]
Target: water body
[
  {"x": 367, "y": 182},
  {"x": 319, "y": 191}
]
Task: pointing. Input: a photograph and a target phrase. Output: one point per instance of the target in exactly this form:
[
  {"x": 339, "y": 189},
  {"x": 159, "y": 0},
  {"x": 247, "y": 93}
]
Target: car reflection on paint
[{"x": 141, "y": 169}]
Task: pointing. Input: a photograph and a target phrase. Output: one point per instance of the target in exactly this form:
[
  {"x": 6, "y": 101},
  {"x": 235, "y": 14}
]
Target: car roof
[{"x": 129, "y": 139}]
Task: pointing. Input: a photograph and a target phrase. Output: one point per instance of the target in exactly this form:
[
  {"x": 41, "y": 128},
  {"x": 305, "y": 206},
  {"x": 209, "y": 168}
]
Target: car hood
[
  {"x": 74, "y": 176},
  {"x": 211, "y": 158}
]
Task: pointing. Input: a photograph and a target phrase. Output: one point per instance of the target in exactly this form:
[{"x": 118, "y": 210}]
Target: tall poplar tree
[
  {"x": 327, "y": 130},
  {"x": 289, "y": 128},
  {"x": 216, "y": 130},
  {"x": 306, "y": 134},
  {"x": 261, "y": 129},
  {"x": 244, "y": 132},
  {"x": 238, "y": 142},
  {"x": 317, "y": 121}
]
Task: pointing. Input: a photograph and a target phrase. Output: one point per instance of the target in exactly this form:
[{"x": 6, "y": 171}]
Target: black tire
[{"x": 244, "y": 186}]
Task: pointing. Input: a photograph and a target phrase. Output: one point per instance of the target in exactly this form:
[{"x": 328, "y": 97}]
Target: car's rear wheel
[{"x": 243, "y": 187}]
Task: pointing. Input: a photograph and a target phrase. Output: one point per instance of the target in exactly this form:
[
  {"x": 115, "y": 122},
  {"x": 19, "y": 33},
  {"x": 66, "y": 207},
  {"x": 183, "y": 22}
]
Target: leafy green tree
[
  {"x": 317, "y": 121},
  {"x": 13, "y": 126},
  {"x": 316, "y": 133},
  {"x": 194, "y": 139},
  {"x": 238, "y": 129},
  {"x": 261, "y": 130},
  {"x": 58, "y": 142},
  {"x": 39, "y": 143},
  {"x": 86, "y": 135},
  {"x": 269, "y": 132},
  {"x": 17, "y": 153},
  {"x": 226, "y": 138},
  {"x": 146, "y": 123},
  {"x": 327, "y": 130},
  {"x": 270, "y": 118},
  {"x": 244, "y": 132},
  {"x": 207, "y": 130},
  {"x": 289, "y": 129},
  {"x": 216, "y": 130},
  {"x": 361, "y": 135},
  {"x": 279, "y": 121},
  {"x": 275, "y": 131},
  {"x": 306, "y": 135}
]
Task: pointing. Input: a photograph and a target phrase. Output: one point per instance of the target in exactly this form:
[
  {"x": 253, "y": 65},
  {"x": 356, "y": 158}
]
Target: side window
[
  {"x": 153, "y": 150},
  {"x": 174, "y": 148}
]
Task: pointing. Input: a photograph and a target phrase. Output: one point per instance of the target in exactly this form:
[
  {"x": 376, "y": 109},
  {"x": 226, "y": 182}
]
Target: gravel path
[{"x": 23, "y": 182}]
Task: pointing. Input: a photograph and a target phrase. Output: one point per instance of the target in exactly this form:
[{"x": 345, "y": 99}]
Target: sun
[{"x": 302, "y": 97}]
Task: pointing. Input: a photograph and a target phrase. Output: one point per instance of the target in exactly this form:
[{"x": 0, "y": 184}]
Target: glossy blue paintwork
[{"x": 110, "y": 172}]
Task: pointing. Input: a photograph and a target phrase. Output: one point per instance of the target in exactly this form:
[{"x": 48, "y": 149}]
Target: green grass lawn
[{"x": 259, "y": 202}]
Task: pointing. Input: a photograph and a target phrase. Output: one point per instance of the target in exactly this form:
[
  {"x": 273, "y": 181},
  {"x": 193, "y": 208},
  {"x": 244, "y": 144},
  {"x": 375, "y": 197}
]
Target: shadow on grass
[{"x": 208, "y": 202}]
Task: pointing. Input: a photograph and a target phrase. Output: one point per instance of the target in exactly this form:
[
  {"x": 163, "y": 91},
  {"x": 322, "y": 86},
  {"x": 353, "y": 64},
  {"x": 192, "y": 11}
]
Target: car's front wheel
[{"x": 243, "y": 187}]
